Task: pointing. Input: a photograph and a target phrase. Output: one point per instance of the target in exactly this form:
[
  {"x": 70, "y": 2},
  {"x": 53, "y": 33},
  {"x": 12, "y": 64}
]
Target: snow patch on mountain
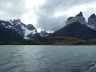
[
  {"x": 92, "y": 27},
  {"x": 9, "y": 26},
  {"x": 18, "y": 23},
  {"x": 10, "y": 22},
  {"x": 28, "y": 32},
  {"x": 3, "y": 24}
]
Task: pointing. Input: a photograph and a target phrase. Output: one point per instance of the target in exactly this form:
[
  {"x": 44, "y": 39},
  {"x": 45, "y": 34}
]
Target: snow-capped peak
[
  {"x": 43, "y": 34},
  {"x": 26, "y": 31}
]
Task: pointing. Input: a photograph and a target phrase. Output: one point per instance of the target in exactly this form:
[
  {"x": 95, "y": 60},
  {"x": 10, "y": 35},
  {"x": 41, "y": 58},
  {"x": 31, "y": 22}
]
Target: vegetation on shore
[{"x": 60, "y": 40}]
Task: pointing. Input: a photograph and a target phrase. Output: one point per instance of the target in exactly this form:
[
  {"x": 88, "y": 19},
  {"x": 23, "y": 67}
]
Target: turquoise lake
[{"x": 47, "y": 58}]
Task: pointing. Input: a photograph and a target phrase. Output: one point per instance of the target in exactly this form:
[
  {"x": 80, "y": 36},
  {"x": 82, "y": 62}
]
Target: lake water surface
[{"x": 40, "y": 58}]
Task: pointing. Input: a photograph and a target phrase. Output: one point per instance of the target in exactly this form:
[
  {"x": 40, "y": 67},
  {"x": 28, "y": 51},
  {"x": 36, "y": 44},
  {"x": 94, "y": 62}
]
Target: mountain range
[
  {"x": 77, "y": 27},
  {"x": 25, "y": 31}
]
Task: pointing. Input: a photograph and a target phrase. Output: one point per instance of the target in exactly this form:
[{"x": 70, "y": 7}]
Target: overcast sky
[{"x": 49, "y": 15}]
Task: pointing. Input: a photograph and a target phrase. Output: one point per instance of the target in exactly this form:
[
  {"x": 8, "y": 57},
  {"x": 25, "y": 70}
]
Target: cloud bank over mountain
[{"x": 49, "y": 15}]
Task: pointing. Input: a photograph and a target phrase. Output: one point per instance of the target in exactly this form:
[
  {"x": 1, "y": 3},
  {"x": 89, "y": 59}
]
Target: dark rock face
[
  {"x": 7, "y": 35},
  {"x": 77, "y": 30}
]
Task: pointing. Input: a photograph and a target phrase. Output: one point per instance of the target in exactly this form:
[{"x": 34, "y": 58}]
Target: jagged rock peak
[
  {"x": 78, "y": 18},
  {"x": 80, "y": 14},
  {"x": 93, "y": 16},
  {"x": 92, "y": 21}
]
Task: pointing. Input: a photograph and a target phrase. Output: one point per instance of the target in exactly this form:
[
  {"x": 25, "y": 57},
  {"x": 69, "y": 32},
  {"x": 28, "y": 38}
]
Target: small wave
[{"x": 92, "y": 69}]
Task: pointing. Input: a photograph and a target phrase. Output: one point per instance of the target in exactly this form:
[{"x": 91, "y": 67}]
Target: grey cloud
[
  {"x": 50, "y": 23},
  {"x": 12, "y": 8},
  {"x": 46, "y": 22},
  {"x": 62, "y": 5}
]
